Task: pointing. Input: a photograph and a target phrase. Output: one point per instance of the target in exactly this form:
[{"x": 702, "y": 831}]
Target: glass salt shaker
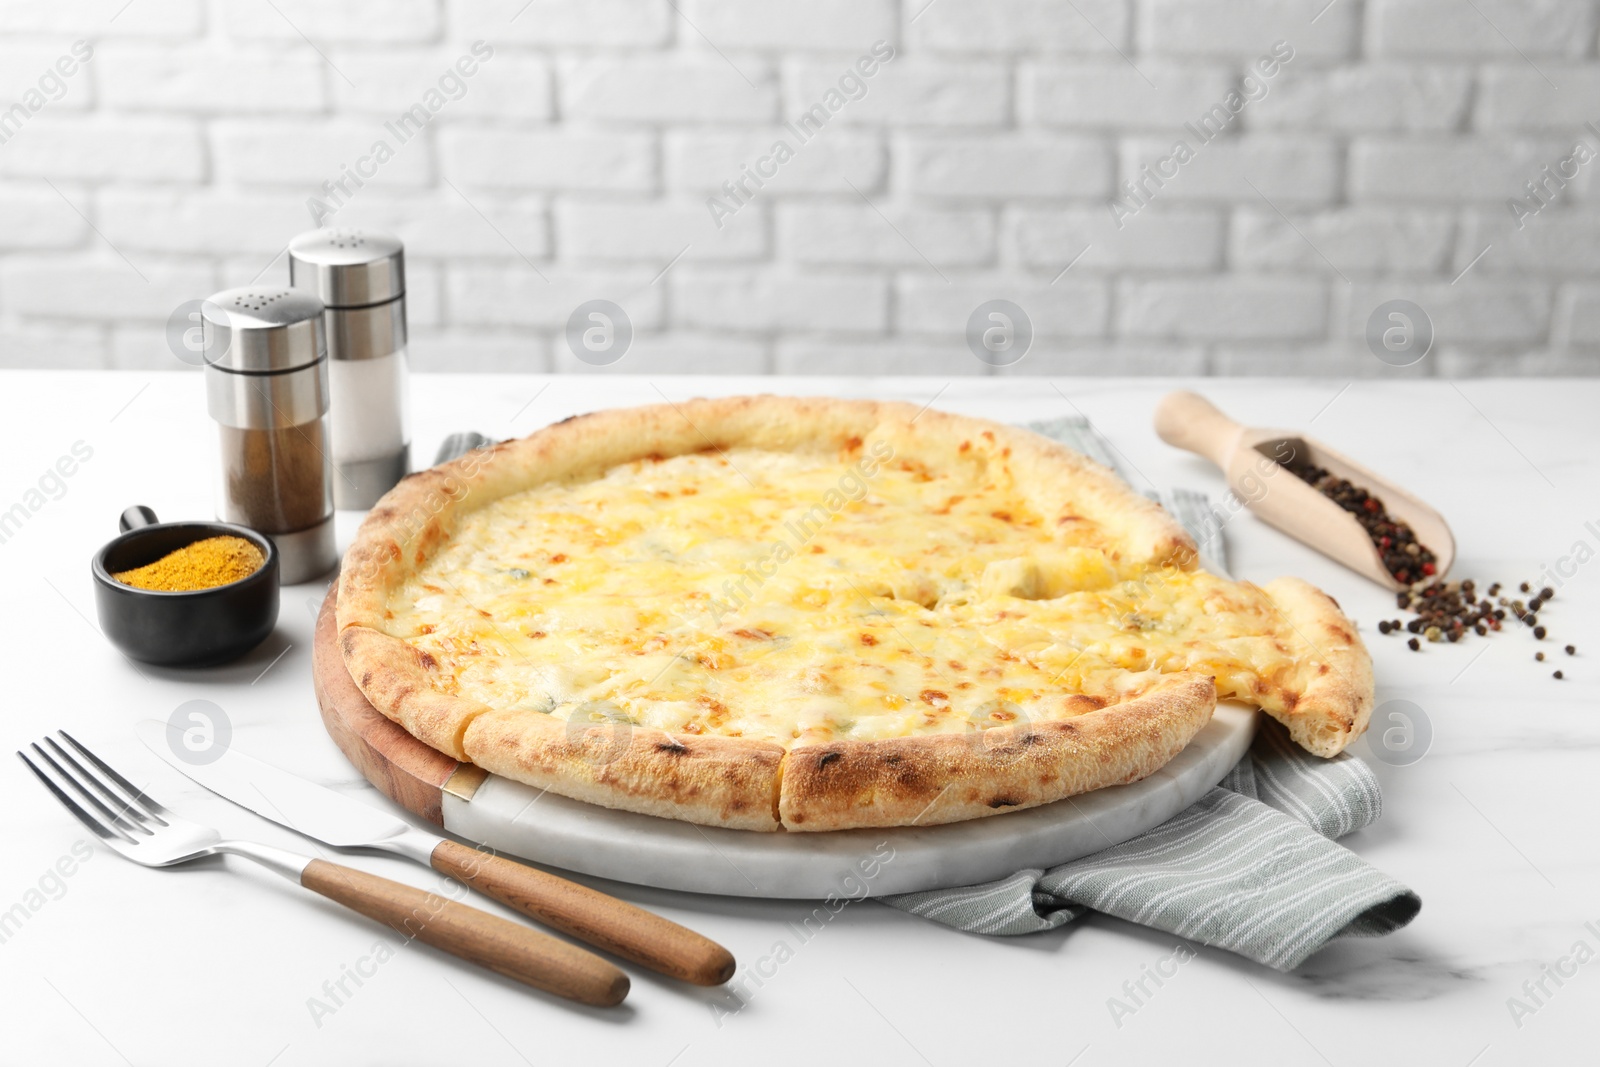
[
  {"x": 360, "y": 276},
  {"x": 267, "y": 388}
]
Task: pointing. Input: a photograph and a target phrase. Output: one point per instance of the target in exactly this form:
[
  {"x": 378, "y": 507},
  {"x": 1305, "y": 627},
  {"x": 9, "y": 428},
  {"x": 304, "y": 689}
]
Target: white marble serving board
[{"x": 668, "y": 854}]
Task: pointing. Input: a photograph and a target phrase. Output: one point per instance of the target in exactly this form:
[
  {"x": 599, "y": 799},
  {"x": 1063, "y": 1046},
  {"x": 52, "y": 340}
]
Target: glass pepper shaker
[
  {"x": 266, "y": 371},
  {"x": 360, "y": 276}
]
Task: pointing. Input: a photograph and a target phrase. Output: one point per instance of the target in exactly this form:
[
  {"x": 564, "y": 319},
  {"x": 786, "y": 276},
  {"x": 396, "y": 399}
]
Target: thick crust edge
[
  {"x": 717, "y": 781},
  {"x": 925, "y": 781},
  {"x": 1333, "y": 686},
  {"x": 395, "y": 679}
]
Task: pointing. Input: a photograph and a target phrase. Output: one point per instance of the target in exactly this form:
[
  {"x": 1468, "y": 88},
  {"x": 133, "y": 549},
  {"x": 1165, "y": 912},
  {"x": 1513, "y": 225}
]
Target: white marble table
[{"x": 217, "y": 963}]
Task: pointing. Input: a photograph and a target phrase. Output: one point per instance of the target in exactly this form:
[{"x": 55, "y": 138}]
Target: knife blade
[
  {"x": 286, "y": 799},
  {"x": 328, "y": 816}
]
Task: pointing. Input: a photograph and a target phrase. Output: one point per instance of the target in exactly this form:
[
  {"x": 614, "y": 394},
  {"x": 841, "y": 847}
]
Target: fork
[{"x": 133, "y": 825}]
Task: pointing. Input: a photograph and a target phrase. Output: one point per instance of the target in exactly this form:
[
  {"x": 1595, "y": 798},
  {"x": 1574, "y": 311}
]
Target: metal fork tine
[
  {"x": 155, "y": 810},
  {"x": 122, "y": 805},
  {"x": 94, "y": 825},
  {"x": 127, "y": 826}
]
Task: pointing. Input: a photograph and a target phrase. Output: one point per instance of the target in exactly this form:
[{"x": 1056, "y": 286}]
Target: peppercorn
[
  {"x": 1535, "y": 604},
  {"x": 1383, "y": 626},
  {"x": 1558, "y": 676},
  {"x": 1572, "y": 650},
  {"x": 1523, "y": 587},
  {"x": 1413, "y": 645},
  {"x": 1538, "y": 631},
  {"x": 1547, "y": 593},
  {"x": 1539, "y": 657},
  {"x": 1395, "y": 541}
]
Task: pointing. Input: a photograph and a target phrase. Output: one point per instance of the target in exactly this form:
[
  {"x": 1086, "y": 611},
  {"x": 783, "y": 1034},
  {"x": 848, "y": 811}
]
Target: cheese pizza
[{"x": 809, "y": 614}]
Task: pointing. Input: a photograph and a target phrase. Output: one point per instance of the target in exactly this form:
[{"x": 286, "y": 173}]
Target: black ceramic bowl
[{"x": 193, "y": 629}]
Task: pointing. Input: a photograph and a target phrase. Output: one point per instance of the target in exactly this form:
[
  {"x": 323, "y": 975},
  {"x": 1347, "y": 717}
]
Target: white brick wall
[{"x": 979, "y": 162}]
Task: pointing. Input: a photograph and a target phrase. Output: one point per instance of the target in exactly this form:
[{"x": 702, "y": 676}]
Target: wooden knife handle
[
  {"x": 508, "y": 948},
  {"x": 1191, "y": 422},
  {"x": 606, "y": 922}
]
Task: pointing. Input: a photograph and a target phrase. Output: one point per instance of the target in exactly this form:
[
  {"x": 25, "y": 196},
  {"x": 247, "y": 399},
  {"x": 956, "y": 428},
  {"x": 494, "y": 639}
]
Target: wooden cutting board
[{"x": 554, "y": 830}]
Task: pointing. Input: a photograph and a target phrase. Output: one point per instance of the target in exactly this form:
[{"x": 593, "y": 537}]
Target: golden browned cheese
[
  {"x": 801, "y": 598},
  {"x": 204, "y": 564}
]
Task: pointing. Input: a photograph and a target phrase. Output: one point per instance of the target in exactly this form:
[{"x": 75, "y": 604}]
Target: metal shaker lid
[
  {"x": 263, "y": 329},
  {"x": 348, "y": 267}
]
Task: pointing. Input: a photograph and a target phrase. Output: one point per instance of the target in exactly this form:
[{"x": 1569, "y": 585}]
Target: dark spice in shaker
[{"x": 275, "y": 479}]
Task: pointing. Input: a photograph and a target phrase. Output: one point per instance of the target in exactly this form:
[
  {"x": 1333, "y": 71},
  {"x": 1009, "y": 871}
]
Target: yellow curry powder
[{"x": 203, "y": 565}]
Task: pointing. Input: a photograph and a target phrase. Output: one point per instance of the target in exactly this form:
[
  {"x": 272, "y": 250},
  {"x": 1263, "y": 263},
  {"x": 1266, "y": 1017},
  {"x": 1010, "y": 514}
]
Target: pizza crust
[
  {"x": 1330, "y": 698},
  {"x": 718, "y": 781},
  {"x": 943, "y": 778},
  {"x": 749, "y": 784}
]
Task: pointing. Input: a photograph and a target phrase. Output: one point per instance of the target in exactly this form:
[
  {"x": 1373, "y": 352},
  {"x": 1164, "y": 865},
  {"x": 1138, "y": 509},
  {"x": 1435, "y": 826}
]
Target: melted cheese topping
[{"x": 799, "y": 598}]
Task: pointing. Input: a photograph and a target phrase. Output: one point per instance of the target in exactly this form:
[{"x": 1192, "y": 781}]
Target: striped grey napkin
[{"x": 1251, "y": 867}]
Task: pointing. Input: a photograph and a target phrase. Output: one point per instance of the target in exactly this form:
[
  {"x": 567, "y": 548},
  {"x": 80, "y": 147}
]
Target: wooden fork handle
[
  {"x": 606, "y": 922},
  {"x": 508, "y": 948}
]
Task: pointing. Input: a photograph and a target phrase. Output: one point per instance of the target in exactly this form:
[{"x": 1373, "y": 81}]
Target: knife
[{"x": 340, "y": 822}]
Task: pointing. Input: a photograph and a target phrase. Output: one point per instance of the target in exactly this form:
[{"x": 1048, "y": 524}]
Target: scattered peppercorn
[
  {"x": 1558, "y": 676},
  {"x": 1523, "y": 587},
  {"x": 1449, "y": 611}
]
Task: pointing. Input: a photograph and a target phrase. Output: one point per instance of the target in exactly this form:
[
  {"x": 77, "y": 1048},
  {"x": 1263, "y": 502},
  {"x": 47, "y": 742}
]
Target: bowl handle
[{"x": 135, "y": 517}]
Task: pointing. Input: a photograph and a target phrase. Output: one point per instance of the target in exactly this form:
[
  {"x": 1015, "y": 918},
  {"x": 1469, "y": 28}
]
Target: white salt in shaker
[{"x": 360, "y": 276}]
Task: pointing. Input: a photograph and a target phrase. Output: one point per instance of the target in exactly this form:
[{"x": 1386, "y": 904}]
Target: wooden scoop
[{"x": 1251, "y": 458}]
